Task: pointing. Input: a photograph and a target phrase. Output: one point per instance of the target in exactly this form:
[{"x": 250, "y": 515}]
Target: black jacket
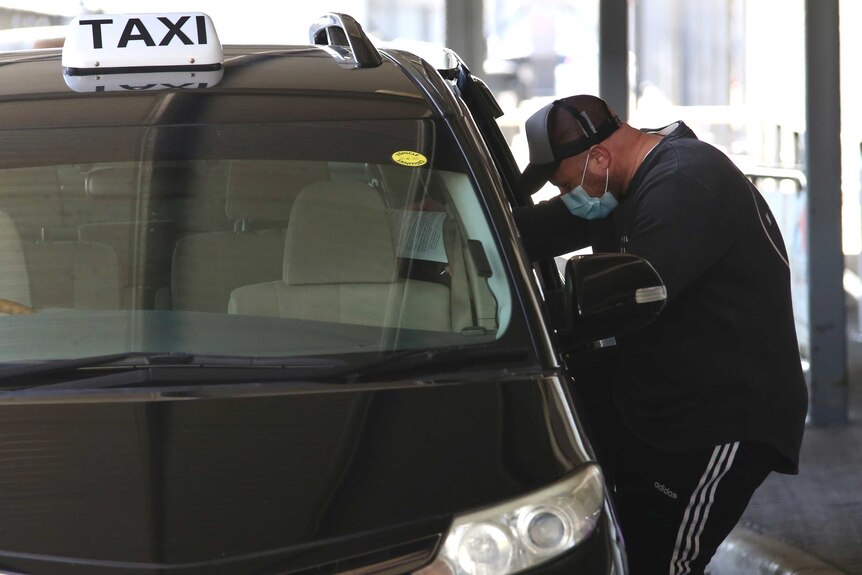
[{"x": 721, "y": 363}]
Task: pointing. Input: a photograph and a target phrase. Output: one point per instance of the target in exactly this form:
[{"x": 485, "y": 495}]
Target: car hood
[{"x": 325, "y": 480}]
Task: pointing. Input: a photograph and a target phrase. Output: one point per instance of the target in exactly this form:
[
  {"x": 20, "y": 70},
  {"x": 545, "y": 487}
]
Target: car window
[{"x": 244, "y": 239}]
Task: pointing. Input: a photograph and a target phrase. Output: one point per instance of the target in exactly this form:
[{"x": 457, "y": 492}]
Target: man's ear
[{"x": 600, "y": 156}]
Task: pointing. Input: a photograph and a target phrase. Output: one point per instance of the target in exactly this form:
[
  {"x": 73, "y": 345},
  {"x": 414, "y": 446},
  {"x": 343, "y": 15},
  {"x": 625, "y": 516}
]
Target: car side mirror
[{"x": 610, "y": 294}]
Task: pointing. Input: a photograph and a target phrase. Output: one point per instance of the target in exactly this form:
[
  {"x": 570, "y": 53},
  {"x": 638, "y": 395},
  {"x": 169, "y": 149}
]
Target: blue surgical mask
[{"x": 583, "y": 205}]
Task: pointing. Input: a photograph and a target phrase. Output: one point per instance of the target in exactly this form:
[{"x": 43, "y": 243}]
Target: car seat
[{"x": 340, "y": 266}]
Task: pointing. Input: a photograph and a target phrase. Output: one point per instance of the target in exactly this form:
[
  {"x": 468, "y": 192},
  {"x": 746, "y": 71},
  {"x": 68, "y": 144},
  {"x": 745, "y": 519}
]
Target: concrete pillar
[
  {"x": 465, "y": 32},
  {"x": 614, "y": 55},
  {"x": 828, "y": 381}
]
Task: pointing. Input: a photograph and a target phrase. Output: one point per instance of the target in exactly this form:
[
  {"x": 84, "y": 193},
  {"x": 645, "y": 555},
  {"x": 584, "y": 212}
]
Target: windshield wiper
[
  {"x": 59, "y": 365},
  {"x": 129, "y": 369},
  {"x": 422, "y": 362},
  {"x": 140, "y": 369}
]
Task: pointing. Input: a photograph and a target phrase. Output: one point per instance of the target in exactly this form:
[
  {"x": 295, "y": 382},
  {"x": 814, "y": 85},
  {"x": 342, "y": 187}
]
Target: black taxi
[{"x": 264, "y": 310}]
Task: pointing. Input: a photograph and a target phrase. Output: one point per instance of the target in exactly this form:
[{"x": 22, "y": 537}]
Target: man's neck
[{"x": 638, "y": 148}]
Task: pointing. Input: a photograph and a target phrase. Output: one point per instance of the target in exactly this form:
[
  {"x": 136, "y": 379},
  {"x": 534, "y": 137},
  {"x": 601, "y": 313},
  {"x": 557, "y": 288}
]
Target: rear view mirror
[{"x": 610, "y": 294}]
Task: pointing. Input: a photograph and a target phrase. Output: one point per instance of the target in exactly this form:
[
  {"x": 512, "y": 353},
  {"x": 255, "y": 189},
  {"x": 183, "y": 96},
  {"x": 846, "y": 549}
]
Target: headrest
[
  {"x": 339, "y": 233},
  {"x": 266, "y": 189},
  {"x": 112, "y": 182},
  {"x": 31, "y": 197},
  {"x": 14, "y": 281}
]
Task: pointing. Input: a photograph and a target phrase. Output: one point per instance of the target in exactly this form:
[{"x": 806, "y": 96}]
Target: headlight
[{"x": 523, "y": 532}]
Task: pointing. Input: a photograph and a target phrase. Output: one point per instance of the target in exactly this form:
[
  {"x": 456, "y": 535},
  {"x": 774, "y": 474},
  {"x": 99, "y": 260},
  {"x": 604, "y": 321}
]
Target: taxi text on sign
[{"x": 105, "y": 42}]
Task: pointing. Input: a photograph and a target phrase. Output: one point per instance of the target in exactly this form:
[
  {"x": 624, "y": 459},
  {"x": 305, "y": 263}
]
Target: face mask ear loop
[
  {"x": 607, "y": 178},
  {"x": 586, "y": 164}
]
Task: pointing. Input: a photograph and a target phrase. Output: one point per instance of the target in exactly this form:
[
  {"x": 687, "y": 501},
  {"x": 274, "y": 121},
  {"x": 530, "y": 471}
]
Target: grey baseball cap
[{"x": 563, "y": 128}]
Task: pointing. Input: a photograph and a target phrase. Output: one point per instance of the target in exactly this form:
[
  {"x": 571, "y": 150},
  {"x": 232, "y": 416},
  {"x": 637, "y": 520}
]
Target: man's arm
[{"x": 548, "y": 229}]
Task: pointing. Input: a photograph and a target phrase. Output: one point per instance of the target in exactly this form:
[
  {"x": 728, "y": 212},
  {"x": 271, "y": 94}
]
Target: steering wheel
[{"x": 10, "y": 307}]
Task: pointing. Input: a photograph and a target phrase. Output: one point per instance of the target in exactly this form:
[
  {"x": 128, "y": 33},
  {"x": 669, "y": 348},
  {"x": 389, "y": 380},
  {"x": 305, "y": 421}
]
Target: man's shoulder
[
  {"x": 687, "y": 155},
  {"x": 684, "y": 164},
  {"x": 673, "y": 131}
]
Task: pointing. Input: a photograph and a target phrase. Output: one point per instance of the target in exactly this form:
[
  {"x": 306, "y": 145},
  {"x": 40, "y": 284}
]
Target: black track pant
[{"x": 675, "y": 508}]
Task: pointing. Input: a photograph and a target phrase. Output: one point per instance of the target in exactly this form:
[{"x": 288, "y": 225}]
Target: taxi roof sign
[{"x": 122, "y": 43}]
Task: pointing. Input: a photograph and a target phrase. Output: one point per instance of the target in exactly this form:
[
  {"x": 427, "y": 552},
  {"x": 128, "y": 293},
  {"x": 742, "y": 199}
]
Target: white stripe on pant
[{"x": 696, "y": 514}]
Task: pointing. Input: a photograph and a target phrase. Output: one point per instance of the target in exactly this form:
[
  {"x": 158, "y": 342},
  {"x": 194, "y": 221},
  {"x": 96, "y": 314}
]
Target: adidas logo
[{"x": 665, "y": 490}]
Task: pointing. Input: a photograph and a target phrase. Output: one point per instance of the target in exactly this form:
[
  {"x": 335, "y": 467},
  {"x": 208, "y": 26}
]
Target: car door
[
  {"x": 589, "y": 364},
  {"x": 485, "y": 110}
]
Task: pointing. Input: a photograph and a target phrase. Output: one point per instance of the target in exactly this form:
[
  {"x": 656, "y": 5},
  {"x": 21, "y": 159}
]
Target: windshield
[{"x": 261, "y": 240}]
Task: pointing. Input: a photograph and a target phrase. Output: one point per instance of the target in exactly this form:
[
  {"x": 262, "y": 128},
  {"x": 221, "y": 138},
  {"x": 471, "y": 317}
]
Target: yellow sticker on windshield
[{"x": 406, "y": 158}]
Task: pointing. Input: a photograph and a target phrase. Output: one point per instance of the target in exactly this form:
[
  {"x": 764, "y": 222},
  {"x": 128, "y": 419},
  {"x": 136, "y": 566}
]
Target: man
[{"x": 710, "y": 398}]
